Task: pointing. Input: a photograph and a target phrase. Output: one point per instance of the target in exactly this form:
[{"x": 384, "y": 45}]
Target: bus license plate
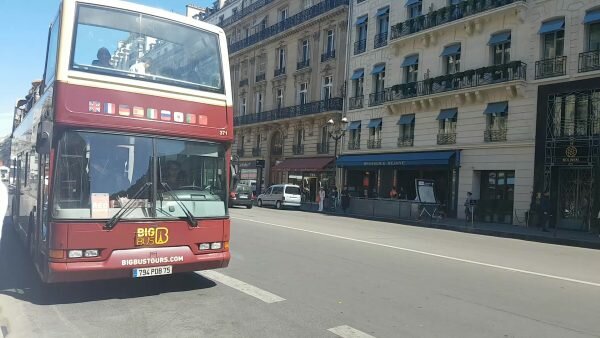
[{"x": 153, "y": 271}]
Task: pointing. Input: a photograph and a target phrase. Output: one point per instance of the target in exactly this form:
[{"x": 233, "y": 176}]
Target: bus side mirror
[{"x": 44, "y": 138}]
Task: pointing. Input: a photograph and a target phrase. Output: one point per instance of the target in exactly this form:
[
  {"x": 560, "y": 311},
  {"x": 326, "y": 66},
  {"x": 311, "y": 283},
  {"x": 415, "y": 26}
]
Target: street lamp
[{"x": 338, "y": 130}]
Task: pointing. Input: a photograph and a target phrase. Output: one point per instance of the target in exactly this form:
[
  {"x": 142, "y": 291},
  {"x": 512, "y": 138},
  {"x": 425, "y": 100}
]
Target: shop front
[
  {"x": 374, "y": 176},
  {"x": 249, "y": 173},
  {"x": 309, "y": 173}
]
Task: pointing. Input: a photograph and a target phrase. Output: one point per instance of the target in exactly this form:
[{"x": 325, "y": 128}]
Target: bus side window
[{"x": 26, "y": 170}]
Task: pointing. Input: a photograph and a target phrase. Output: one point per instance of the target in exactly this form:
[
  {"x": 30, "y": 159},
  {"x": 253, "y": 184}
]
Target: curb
[{"x": 477, "y": 231}]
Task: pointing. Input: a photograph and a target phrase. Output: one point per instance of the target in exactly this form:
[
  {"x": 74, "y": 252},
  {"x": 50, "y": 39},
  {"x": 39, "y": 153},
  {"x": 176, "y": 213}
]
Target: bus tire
[{"x": 259, "y": 203}]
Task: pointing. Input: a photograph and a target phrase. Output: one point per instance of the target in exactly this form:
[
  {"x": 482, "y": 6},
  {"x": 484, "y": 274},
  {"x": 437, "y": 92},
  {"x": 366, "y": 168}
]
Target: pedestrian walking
[
  {"x": 468, "y": 206},
  {"x": 321, "y": 199},
  {"x": 345, "y": 199},
  {"x": 334, "y": 197},
  {"x": 546, "y": 211}
]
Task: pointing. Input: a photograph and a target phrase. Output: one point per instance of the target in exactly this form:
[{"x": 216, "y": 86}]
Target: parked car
[
  {"x": 280, "y": 195},
  {"x": 241, "y": 196}
]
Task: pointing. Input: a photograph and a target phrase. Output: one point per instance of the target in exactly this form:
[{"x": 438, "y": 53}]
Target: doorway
[{"x": 574, "y": 198}]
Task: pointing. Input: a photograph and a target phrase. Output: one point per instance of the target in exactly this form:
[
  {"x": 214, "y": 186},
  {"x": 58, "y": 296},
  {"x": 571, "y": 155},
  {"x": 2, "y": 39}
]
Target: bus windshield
[
  {"x": 133, "y": 45},
  {"x": 97, "y": 174}
]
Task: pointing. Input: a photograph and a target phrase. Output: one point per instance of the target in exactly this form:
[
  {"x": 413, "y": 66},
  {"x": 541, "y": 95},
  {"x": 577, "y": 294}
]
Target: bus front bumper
[{"x": 121, "y": 263}]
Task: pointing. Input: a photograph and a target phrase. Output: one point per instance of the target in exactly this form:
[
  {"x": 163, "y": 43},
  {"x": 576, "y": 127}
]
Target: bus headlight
[
  {"x": 75, "y": 253},
  {"x": 215, "y": 246},
  {"x": 91, "y": 253},
  {"x": 204, "y": 246}
]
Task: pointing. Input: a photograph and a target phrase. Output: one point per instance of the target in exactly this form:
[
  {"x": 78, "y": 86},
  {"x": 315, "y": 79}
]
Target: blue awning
[
  {"x": 362, "y": 19},
  {"x": 498, "y": 108},
  {"x": 378, "y": 69},
  {"x": 383, "y": 11},
  {"x": 451, "y": 50},
  {"x": 592, "y": 17},
  {"x": 354, "y": 125},
  {"x": 359, "y": 73},
  {"x": 406, "y": 119},
  {"x": 447, "y": 114},
  {"x": 552, "y": 26},
  {"x": 375, "y": 123},
  {"x": 411, "y": 2},
  {"x": 431, "y": 158},
  {"x": 499, "y": 38},
  {"x": 410, "y": 60}
]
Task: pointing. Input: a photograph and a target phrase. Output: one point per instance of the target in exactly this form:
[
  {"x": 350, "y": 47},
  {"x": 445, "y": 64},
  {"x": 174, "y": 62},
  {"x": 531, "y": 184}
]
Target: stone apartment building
[
  {"x": 500, "y": 98},
  {"x": 287, "y": 61}
]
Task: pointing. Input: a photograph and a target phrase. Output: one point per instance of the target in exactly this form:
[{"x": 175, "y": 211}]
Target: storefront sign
[
  {"x": 248, "y": 165},
  {"x": 384, "y": 163},
  {"x": 573, "y": 155},
  {"x": 426, "y": 191}
]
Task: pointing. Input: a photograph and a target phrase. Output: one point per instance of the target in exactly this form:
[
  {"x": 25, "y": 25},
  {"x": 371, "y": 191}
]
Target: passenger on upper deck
[{"x": 103, "y": 58}]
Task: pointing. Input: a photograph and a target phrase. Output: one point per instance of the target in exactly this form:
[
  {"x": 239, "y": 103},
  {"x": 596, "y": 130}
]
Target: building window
[
  {"x": 451, "y": 55},
  {"x": 379, "y": 78},
  {"x": 496, "y": 121},
  {"x": 553, "y": 38},
  {"x": 383, "y": 21},
  {"x": 375, "y": 126},
  {"x": 298, "y": 146},
  {"x": 358, "y": 82},
  {"x": 279, "y": 98},
  {"x": 327, "y": 87},
  {"x": 447, "y": 126},
  {"x": 324, "y": 135},
  {"x": 259, "y": 102},
  {"x": 594, "y": 37},
  {"x": 411, "y": 68},
  {"x": 283, "y": 14},
  {"x": 414, "y": 8},
  {"x": 500, "y": 45},
  {"x": 303, "y": 93},
  {"x": 354, "y": 138},
  {"x": 243, "y": 106},
  {"x": 361, "y": 34},
  {"x": 305, "y": 53},
  {"x": 406, "y": 130},
  {"x": 281, "y": 58},
  {"x": 299, "y": 136},
  {"x": 330, "y": 42}
]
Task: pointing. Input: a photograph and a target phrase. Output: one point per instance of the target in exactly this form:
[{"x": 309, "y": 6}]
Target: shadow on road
[{"x": 20, "y": 280}]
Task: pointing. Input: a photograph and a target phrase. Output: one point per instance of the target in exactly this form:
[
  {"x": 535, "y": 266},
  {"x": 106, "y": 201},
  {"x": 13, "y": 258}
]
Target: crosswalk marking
[{"x": 346, "y": 331}]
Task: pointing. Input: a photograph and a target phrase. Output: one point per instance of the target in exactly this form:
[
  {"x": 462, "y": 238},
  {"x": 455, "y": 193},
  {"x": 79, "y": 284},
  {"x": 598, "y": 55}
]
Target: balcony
[
  {"x": 473, "y": 78},
  {"x": 322, "y": 148},
  {"x": 405, "y": 141},
  {"x": 445, "y": 15},
  {"x": 240, "y": 152},
  {"x": 589, "y": 61},
  {"x": 334, "y": 104},
  {"x": 260, "y": 78},
  {"x": 381, "y": 40},
  {"x": 277, "y": 149},
  {"x": 354, "y": 144},
  {"x": 328, "y": 55},
  {"x": 377, "y": 99},
  {"x": 303, "y": 64},
  {"x": 243, "y": 82},
  {"x": 360, "y": 46},
  {"x": 374, "y": 143},
  {"x": 279, "y": 72},
  {"x": 250, "y": 9},
  {"x": 550, "y": 67},
  {"x": 256, "y": 152},
  {"x": 298, "y": 149},
  {"x": 494, "y": 135},
  {"x": 355, "y": 102},
  {"x": 294, "y": 21},
  {"x": 446, "y": 138}
]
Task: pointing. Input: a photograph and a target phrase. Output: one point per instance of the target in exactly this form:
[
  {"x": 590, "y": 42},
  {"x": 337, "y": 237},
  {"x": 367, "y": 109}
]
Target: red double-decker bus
[{"x": 123, "y": 164}]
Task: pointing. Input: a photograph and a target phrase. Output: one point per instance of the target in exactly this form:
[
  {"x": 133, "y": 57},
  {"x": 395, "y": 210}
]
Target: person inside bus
[
  {"x": 107, "y": 174},
  {"x": 175, "y": 177},
  {"x": 103, "y": 60}
]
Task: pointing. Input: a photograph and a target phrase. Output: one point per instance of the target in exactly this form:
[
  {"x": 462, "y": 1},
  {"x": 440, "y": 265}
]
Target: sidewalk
[{"x": 560, "y": 237}]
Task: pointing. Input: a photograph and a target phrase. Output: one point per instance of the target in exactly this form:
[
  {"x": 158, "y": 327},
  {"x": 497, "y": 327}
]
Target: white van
[{"x": 280, "y": 195}]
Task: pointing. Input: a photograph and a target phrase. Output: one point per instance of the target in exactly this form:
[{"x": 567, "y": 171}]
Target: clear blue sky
[{"x": 24, "y": 26}]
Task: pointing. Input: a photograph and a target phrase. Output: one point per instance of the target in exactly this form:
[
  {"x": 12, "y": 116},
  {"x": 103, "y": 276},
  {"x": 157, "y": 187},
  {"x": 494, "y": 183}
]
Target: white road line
[
  {"x": 501, "y": 267},
  {"x": 237, "y": 284},
  {"x": 346, "y": 331}
]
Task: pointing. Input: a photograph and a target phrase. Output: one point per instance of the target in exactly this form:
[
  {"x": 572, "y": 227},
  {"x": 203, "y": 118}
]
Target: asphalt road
[{"x": 296, "y": 274}]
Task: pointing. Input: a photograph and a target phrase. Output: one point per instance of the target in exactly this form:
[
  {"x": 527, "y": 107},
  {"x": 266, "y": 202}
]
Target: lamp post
[{"x": 336, "y": 132}]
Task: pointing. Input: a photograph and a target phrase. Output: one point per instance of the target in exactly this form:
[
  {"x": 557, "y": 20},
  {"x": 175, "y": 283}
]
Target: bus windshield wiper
[
  {"x": 113, "y": 221},
  {"x": 191, "y": 219}
]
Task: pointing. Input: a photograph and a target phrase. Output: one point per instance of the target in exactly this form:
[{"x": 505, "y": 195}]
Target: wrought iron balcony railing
[
  {"x": 355, "y": 102},
  {"x": 334, "y": 104},
  {"x": 378, "y": 98},
  {"x": 446, "y": 138},
  {"x": 277, "y": 149},
  {"x": 589, "y": 61},
  {"x": 289, "y": 23},
  {"x": 260, "y": 77},
  {"x": 303, "y": 64},
  {"x": 360, "y": 46},
  {"x": 322, "y": 148},
  {"x": 511, "y": 71},
  {"x": 551, "y": 67},
  {"x": 381, "y": 40},
  {"x": 374, "y": 143},
  {"x": 250, "y": 9},
  {"x": 256, "y": 151},
  {"x": 445, "y": 15},
  {"x": 328, "y": 55},
  {"x": 279, "y": 72},
  {"x": 243, "y": 82},
  {"x": 494, "y": 135},
  {"x": 406, "y": 141},
  {"x": 354, "y": 144},
  {"x": 240, "y": 152},
  {"x": 298, "y": 149}
]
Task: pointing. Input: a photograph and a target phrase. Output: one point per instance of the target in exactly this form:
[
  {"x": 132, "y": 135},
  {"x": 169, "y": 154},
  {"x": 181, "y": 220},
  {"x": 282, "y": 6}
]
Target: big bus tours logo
[{"x": 151, "y": 236}]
